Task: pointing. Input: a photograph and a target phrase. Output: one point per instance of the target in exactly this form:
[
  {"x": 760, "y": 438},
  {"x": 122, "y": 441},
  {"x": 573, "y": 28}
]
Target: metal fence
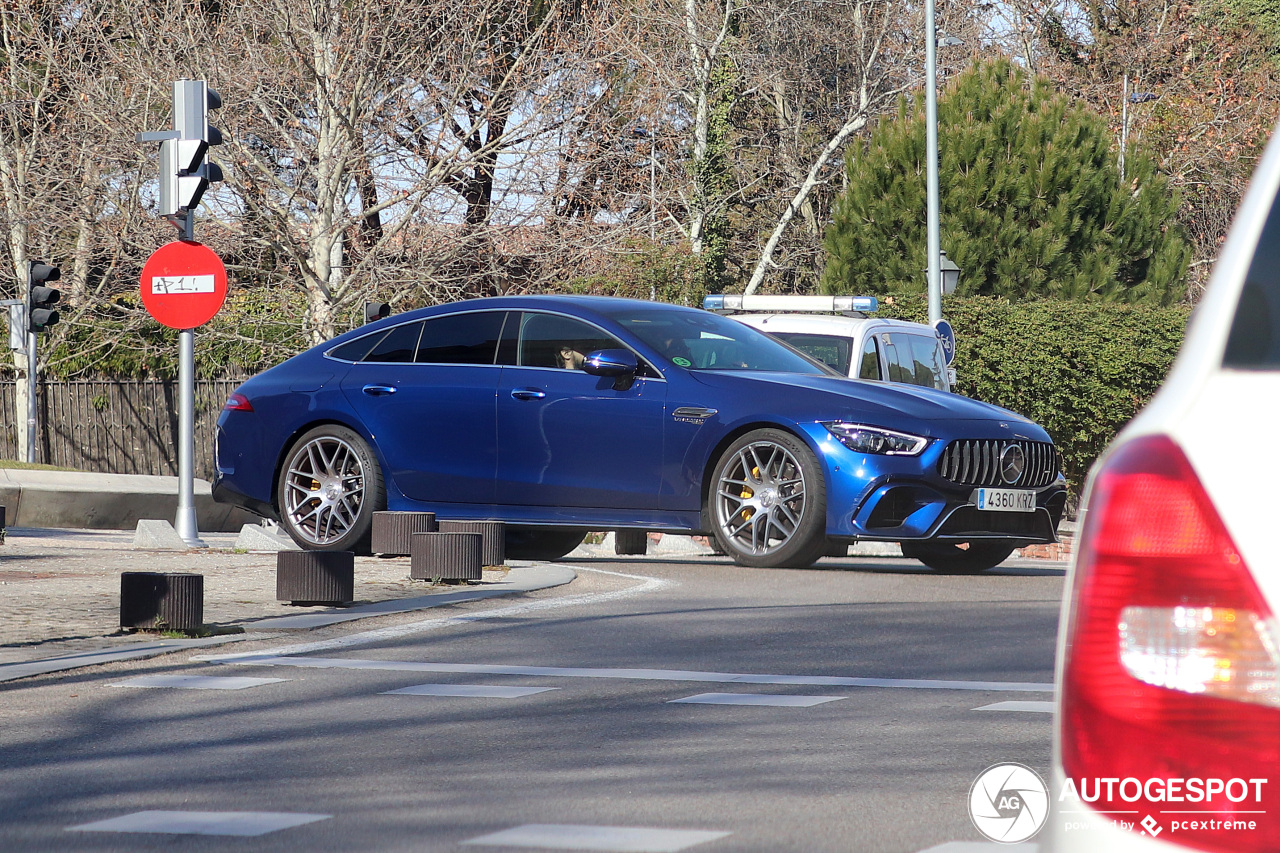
[{"x": 116, "y": 427}]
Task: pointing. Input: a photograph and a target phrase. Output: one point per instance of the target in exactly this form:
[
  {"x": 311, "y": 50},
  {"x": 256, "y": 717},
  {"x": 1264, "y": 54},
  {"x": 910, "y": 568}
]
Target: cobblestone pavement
[{"x": 60, "y": 589}]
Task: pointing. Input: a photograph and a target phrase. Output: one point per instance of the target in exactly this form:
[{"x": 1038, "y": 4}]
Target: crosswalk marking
[
  {"x": 624, "y": 839},
  {"x": 197, "y": 682},
  {"x": 1034, "y": 707},
  {"x": 477, "y": 691},
  {"x": 763, "y": 699},
  {"x": 639, "y": 674},
  {"x": 201, "y": 823}
]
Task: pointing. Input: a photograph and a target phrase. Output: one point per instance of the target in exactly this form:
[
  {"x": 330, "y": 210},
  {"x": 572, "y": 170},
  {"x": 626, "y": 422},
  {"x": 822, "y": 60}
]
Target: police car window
[
  {"x": 399, "y": 346},
  {"x": 929, "y": 363},
  {"x": 1254, "y": 342},
  {"x": 870, "y": 366},
  {"x": 828, "y": 349},
  {"x": 461, "y": 338}
]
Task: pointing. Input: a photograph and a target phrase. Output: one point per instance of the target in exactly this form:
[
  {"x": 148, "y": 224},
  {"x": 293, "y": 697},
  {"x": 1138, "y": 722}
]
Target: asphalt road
[{"x": 881, "y": 667}]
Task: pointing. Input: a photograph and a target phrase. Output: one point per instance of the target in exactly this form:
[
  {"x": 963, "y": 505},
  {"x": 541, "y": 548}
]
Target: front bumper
[{"x": 897, "y": 498}]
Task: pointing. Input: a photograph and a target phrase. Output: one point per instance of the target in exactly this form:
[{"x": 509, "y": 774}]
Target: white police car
[{"x": 837, "y": 331}]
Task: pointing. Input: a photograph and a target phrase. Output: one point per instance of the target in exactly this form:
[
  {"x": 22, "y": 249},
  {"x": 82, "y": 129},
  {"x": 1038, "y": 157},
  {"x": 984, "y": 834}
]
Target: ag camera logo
[{"x": 1009, "y": 803}]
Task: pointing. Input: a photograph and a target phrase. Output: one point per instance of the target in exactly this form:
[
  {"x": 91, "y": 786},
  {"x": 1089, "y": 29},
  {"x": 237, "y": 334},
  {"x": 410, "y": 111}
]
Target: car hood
[{"x": 803, "y": 397}]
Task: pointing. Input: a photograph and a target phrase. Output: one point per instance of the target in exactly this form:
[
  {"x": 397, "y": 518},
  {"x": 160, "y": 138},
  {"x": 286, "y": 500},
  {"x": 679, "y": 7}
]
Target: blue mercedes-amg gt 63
[{"x": 564, "y": 414}]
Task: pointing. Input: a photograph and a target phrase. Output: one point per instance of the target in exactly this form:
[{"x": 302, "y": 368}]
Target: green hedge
[{"x": 1080, "y": 370}]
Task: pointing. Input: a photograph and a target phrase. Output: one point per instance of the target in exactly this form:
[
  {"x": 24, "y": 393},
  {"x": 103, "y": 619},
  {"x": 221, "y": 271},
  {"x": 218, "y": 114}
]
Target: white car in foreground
[{"x": 1167, "y": 727}]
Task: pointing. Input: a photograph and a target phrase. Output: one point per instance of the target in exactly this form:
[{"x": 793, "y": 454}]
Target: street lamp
[
  {"x": 933, "y": 248},
  {"x": 1126, "y": 99},
  {"x": 948, "y": 272}
]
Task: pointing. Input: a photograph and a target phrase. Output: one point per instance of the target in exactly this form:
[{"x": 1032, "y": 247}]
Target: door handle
[
  {"x": 528, "y": 394},
  {"x": 379, "y": 390}
]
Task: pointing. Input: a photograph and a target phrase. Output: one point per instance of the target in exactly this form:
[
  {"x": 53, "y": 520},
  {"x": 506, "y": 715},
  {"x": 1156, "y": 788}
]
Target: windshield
[
  {"x": 829, "y": 349},
  {"x": 700, "y": 340}
]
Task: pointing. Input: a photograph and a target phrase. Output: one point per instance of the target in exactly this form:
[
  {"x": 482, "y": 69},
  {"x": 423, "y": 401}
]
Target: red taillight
[
  {"x": 1171, "y": 662},
  {"x": 238, "y": 403}
]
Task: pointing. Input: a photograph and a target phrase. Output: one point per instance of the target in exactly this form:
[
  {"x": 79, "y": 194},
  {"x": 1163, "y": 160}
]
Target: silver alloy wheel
[
  {"x": 760, "y": 498},
  {"x": 324, "y": 489}
]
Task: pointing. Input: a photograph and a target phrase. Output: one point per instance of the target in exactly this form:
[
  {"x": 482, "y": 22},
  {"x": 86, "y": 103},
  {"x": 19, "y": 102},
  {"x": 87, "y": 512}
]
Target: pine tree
[{"x": 1031, "y": 197}]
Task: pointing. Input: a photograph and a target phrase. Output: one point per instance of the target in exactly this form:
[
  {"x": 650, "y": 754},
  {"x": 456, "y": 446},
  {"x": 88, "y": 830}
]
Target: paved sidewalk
[{"x": 60, "y": 590}]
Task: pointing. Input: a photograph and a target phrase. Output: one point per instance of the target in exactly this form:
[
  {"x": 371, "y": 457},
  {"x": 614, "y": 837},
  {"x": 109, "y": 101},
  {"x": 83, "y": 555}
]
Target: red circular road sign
[{"x": 184, "y": 284}]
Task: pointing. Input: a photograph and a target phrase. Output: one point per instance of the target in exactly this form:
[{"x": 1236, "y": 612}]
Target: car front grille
[{"x": 976, "y": 462}]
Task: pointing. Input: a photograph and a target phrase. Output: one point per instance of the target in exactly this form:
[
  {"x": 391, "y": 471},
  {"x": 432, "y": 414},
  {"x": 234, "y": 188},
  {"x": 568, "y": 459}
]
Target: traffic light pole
[
  {"x": 185, "y": 524},
  {"x": 31, "y": 397},
  {"x": 184, "y": 176}
]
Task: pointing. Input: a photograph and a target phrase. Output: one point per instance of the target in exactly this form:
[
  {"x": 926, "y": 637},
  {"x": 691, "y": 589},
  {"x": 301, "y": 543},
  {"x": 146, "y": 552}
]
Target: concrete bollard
[
  {"x": 315, "y": 577},
  {"x": 164, "y": 600},
  {"x": 447, "y": 556},
  {"x": 392, "y": 531},
  {"x": 630, "y": 542},
  {"x": 493, "y": 551}
]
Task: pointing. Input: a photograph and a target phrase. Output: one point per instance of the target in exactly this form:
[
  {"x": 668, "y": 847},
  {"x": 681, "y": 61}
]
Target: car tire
[
  {"x": 768, "y": 501},
  {"x": 530, "y": 544},
  {"x": 328, "y": 489},
  {"x": 950, "y": 558}
]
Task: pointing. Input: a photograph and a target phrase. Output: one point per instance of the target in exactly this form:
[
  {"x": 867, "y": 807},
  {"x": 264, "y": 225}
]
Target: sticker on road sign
[{"x": 182, "y": 284}]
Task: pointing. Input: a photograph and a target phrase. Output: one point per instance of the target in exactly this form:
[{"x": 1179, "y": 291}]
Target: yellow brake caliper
[{"x": 747, "y": 512}]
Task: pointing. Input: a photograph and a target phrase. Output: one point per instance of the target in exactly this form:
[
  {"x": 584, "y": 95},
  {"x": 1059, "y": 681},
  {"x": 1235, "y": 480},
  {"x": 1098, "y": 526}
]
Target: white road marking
[
  {"x": 634, "y": 674},
  {"x": 1035, "y": 707},
  {"x": 764, "y": 699},
  {"x": 197, "y": 682},
  {"x": 983, "y": 847},
  {"x": 479, "y": 691},
  {"x": 364, "y": 638},
  {"x": 201, "y": 823},
  {"x": 625, "y": 839}
]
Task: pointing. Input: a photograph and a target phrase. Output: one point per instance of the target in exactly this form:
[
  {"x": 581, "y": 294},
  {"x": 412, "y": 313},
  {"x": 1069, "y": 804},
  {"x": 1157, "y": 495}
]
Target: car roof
[{"x": 830, "y": 324}]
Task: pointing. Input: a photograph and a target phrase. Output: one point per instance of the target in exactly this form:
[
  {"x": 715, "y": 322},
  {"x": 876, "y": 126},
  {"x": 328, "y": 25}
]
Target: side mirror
[{"x": 611, "y": 362}]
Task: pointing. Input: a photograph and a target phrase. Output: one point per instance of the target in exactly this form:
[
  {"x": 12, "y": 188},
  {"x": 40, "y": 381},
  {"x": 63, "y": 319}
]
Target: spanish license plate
[{"x": 1005, "y": 500}]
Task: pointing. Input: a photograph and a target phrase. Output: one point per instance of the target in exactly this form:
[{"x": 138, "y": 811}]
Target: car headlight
[{"x": 868, "y": 439}]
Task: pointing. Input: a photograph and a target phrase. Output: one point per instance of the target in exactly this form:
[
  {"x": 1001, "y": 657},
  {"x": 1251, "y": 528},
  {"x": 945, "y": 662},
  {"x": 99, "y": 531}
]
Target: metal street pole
[
  {"x": 934, "y": 241},
  {"x": 185, "y": 523},
  {"x": 31, "y": 393}
]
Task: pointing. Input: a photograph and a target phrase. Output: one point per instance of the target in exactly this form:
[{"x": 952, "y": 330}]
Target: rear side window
[
  {"x": 397, "y": 346},
  {"x": 357, "y": 349},
  {"x": 1254, "y": 342},
  {"x": 461, "y": 338}
]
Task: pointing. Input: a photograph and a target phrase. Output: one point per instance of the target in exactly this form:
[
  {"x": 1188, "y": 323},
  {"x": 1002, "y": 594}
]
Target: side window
[
  {"x": 1254, "y": 341},
  {"x": 398, "y": 346},
  {"x": 898, "y": 353},
  {"x": 357, "y": 349},
  {"x": 869, "y": 367},
  {"x": 550, "y": 340},
  {"x": 930, "y": 366},
  {"x": 461, "y": 338}
]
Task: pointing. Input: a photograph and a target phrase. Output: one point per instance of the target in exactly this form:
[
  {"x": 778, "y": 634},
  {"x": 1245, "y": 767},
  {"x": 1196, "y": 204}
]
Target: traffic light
[
  {"x": 185, "y": 172},
  {"x": 376, "y": 311},
  {"x": 40, "y": 299}
]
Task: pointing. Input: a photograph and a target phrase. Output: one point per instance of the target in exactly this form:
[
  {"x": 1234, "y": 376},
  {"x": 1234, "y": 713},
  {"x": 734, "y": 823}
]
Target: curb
[{"x": 528, "y": 577}]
